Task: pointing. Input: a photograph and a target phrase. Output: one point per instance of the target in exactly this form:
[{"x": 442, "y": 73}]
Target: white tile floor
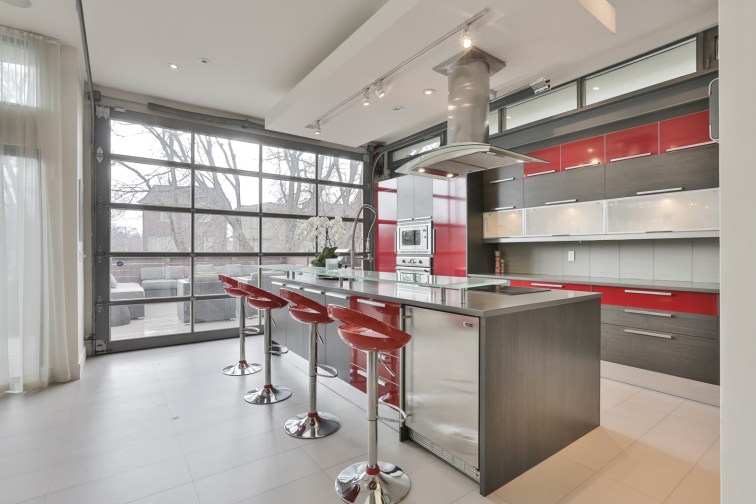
[{"x": 165, "y": 426}]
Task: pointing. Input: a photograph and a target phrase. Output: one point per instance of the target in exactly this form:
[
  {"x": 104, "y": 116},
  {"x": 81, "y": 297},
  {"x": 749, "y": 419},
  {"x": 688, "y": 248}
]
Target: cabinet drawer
[
  {"x": 550, "y": 285},
  {"x": 692, "y": 324},
  {"x": 387, "y": 391},
  {"x": 585, "y": 184},
  {"x": 583, "y": 153},
  {"x": 390, "y": 359},
  {"x": 685, "y": 131},
  {"x": 634, "y": 142},
  {"x": 678, "y": 355},
  {"x": 553, "y": 158},
  {"x": 502, "y": 188},
  {"x": 385, "y": 311},
  {"x": 684, "y": 170},
  {"x": 657, "y": 299}
]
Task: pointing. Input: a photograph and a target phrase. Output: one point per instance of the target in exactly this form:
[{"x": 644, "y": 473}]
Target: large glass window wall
[{"x": 176, "y": 206}]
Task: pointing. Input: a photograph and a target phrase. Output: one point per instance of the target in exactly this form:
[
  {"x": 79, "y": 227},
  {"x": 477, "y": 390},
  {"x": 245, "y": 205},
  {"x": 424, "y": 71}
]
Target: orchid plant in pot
[{"x": 328, "y": 232}]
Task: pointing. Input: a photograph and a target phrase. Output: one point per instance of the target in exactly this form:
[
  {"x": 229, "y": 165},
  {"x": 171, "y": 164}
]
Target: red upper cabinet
[
  {"x": 686, "y": 131},
  {"x": 450, "y": 227},
  {"x": 385, "y": 227},
  {"x": 553, "y": 158},
  {"x": 633, "y": 142},
  {"x": 586, "y": 152}
]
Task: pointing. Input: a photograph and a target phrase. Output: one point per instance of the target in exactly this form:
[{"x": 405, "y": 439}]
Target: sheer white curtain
[{"x": 33, "y": 339}]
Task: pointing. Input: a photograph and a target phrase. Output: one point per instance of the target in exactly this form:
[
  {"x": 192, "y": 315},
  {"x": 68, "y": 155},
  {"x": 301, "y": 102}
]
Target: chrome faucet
[{"x": 364, "y": 255}]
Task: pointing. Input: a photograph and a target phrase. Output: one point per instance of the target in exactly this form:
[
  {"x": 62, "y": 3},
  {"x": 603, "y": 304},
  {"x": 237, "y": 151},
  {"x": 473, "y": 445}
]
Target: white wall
[
  {"x": 72, "y": 151},
  {"x": 738, "y": 241}
]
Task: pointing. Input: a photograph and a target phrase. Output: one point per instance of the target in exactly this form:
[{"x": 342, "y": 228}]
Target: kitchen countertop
[
  {"x": 616, "y": 282},
  {"x": 478, "y": 304}
]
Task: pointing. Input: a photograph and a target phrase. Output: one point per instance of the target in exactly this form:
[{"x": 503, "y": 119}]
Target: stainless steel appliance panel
[{"x": 441, "y": 383}]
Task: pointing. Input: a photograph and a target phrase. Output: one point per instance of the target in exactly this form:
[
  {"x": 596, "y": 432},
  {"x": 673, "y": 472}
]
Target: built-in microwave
[{"x": 414, "y": 237}]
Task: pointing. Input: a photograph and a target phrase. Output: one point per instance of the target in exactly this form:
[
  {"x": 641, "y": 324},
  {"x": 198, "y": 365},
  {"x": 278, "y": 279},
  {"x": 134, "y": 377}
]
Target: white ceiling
[{"x": 291, "y": 61}]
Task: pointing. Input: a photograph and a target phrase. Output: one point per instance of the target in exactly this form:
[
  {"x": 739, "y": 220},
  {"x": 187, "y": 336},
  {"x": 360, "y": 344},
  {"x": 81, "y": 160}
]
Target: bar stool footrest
[
  {"x": 402, "y": 414},
  {"x": 331, "y": 371},
  {"x": 252, "y": 331},
  {"x": 277, "y": 349}
]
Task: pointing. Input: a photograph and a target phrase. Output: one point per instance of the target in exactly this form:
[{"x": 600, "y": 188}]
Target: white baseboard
[{"x": 681, "y": 387}]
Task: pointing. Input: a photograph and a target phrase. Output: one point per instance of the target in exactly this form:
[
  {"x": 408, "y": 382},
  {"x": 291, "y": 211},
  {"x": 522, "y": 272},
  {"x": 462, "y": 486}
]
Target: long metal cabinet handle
[
  {"x": 371, "y": 303},
  {"x": 541, "y": 173},
  {"x": 653, "y": 314},
  {"x": 690, "y": 146},
  {"x": 561, "y": 202},
  {"x": 405, "y": 219},
  {"x": 573, "y": 167},
  {"x": 499, "y": 181},
  {"x": 280, "y": 284},
  {"x": 504, "y": 208},
  {"x": 659, "y": 191},
  {"x": 630, "y": 157},
  {"x": 364, "y": 374},
  {"x": 336, "y": 295},
  {"x": 648, "y": 333},
  {"x": 433, "y": 244},
  {"x": 652, "y": 293},
  {"x": 556, "y": 286},
  {"x": 426, "y": 217},
  {"x": 314, "y": 291}
]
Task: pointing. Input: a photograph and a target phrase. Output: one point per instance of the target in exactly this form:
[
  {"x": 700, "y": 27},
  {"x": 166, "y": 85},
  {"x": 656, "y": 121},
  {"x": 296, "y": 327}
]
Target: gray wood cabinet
[
  {"x": 502, "y": 188},
  {"x": 414, "y": 197},
  {"x": 688, "y": 170},
  {"x": 692, "y": 324},
  {"x": 580, "y": 184},
  {"x": 670, "y": 353},
  {"x": 337, "y": 353}
]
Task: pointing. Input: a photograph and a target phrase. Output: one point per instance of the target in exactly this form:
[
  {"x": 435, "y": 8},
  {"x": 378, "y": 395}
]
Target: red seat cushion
[
  {"x": 366, "y": 333},
  {"x": 306, "y": 310},
  {"x": 234, "y": 292},
  {"x": 261, "y": 299}
]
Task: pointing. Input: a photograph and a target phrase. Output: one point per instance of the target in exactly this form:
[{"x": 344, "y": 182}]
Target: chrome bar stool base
[
  {"x": 241, "y": 369},
  {"x": 389, "y": 486},
  {"x": 268, "y": 394},
  {"x": 307, "y": 426}
]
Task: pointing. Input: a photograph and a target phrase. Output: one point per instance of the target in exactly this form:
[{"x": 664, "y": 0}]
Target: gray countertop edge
[
  {"x": 609, "y": 282},
  {"x": 479, "y": 304}
]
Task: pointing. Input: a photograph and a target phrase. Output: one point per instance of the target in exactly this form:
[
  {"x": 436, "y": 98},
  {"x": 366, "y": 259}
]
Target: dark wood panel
[
  {"x": 691, "y": 169},
  {"x": 684, "y": 356},
  {"x": 692, "y": 324},
  {"x": 539, "y": 386},
  {"x": 581, "y": 184},
  {"x": 498, "y": 192},
  {"x": 337, "y": 353}
]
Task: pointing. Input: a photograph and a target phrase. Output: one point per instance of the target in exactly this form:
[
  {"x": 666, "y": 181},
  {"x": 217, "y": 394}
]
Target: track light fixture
[
  {"x": 377, "y": 85},
  {"x": 317, "y": 127},
  {"x": 466, "y": 39}
]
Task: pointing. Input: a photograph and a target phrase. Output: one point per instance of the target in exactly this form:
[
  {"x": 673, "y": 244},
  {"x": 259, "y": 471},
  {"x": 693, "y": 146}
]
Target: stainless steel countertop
[
  {"x": 478, "y": 304},
  {"x": 609, "y": 282}
]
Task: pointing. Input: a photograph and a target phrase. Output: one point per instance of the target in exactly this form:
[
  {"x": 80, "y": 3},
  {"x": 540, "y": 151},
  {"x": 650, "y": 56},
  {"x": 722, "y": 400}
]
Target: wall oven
[
  {"x": 415, "y": 269},
  {"x": 414, "y": 237}
]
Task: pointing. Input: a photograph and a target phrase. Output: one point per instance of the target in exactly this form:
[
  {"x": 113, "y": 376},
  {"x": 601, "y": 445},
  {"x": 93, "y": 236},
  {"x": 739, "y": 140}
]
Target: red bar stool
[
  {"x": 371, "y": 481},
  {"x": 231, "y": 286},
  {"x": 313, "y": 424},
  {"x": 263, "y": 300}
]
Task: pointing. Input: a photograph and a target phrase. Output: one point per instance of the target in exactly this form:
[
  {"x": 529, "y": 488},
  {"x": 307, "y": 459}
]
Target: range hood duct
[{"x": 467, "y": 148}]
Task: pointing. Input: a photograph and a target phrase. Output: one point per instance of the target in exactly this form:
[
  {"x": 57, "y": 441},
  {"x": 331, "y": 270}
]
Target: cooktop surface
[{"x": 507, "y": 290}]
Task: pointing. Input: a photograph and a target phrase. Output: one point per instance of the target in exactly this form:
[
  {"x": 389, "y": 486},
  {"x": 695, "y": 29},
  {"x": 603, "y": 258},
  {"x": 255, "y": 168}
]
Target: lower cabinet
[
  {"x": 388, "y": 365},
  {"x": 337, "y": 353}
]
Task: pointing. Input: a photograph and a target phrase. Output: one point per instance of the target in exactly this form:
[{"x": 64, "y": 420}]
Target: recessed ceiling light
[
  {"x": 429, "y": 91},
  {"x": 449, "y": 175},
  {"x": 24, "y": 4},
  {"x": 205, "y": 60},
  {"x": 173, "y": 66},
  {"x": 596, "y": 88},
  {"x": 397, "y": 108},
  {"x": 421, "y": 170},
  {"x": 509, "y": 117}
]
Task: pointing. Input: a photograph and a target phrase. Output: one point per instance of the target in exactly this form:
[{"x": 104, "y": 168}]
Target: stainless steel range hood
[{"x": 467, "y": 148}]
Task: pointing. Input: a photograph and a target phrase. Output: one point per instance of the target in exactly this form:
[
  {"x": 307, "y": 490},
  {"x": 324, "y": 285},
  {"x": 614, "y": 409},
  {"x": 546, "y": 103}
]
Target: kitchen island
[{"x": 493, "y": 384}]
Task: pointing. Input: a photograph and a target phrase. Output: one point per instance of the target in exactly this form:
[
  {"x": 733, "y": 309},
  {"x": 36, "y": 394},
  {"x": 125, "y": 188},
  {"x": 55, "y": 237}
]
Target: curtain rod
[{"x": 33, "y": 34}]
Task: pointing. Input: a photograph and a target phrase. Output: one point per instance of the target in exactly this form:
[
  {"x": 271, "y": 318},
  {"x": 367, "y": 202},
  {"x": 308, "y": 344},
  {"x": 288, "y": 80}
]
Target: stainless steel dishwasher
[{"x": 441, "y": 385}]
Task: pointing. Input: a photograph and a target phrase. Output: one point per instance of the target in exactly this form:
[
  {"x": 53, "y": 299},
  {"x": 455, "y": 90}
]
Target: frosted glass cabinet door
[
  {"x": 503, "y": 224},
  {"x": 572, "y": 219},
  {"x": 680, "y": 211}
]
